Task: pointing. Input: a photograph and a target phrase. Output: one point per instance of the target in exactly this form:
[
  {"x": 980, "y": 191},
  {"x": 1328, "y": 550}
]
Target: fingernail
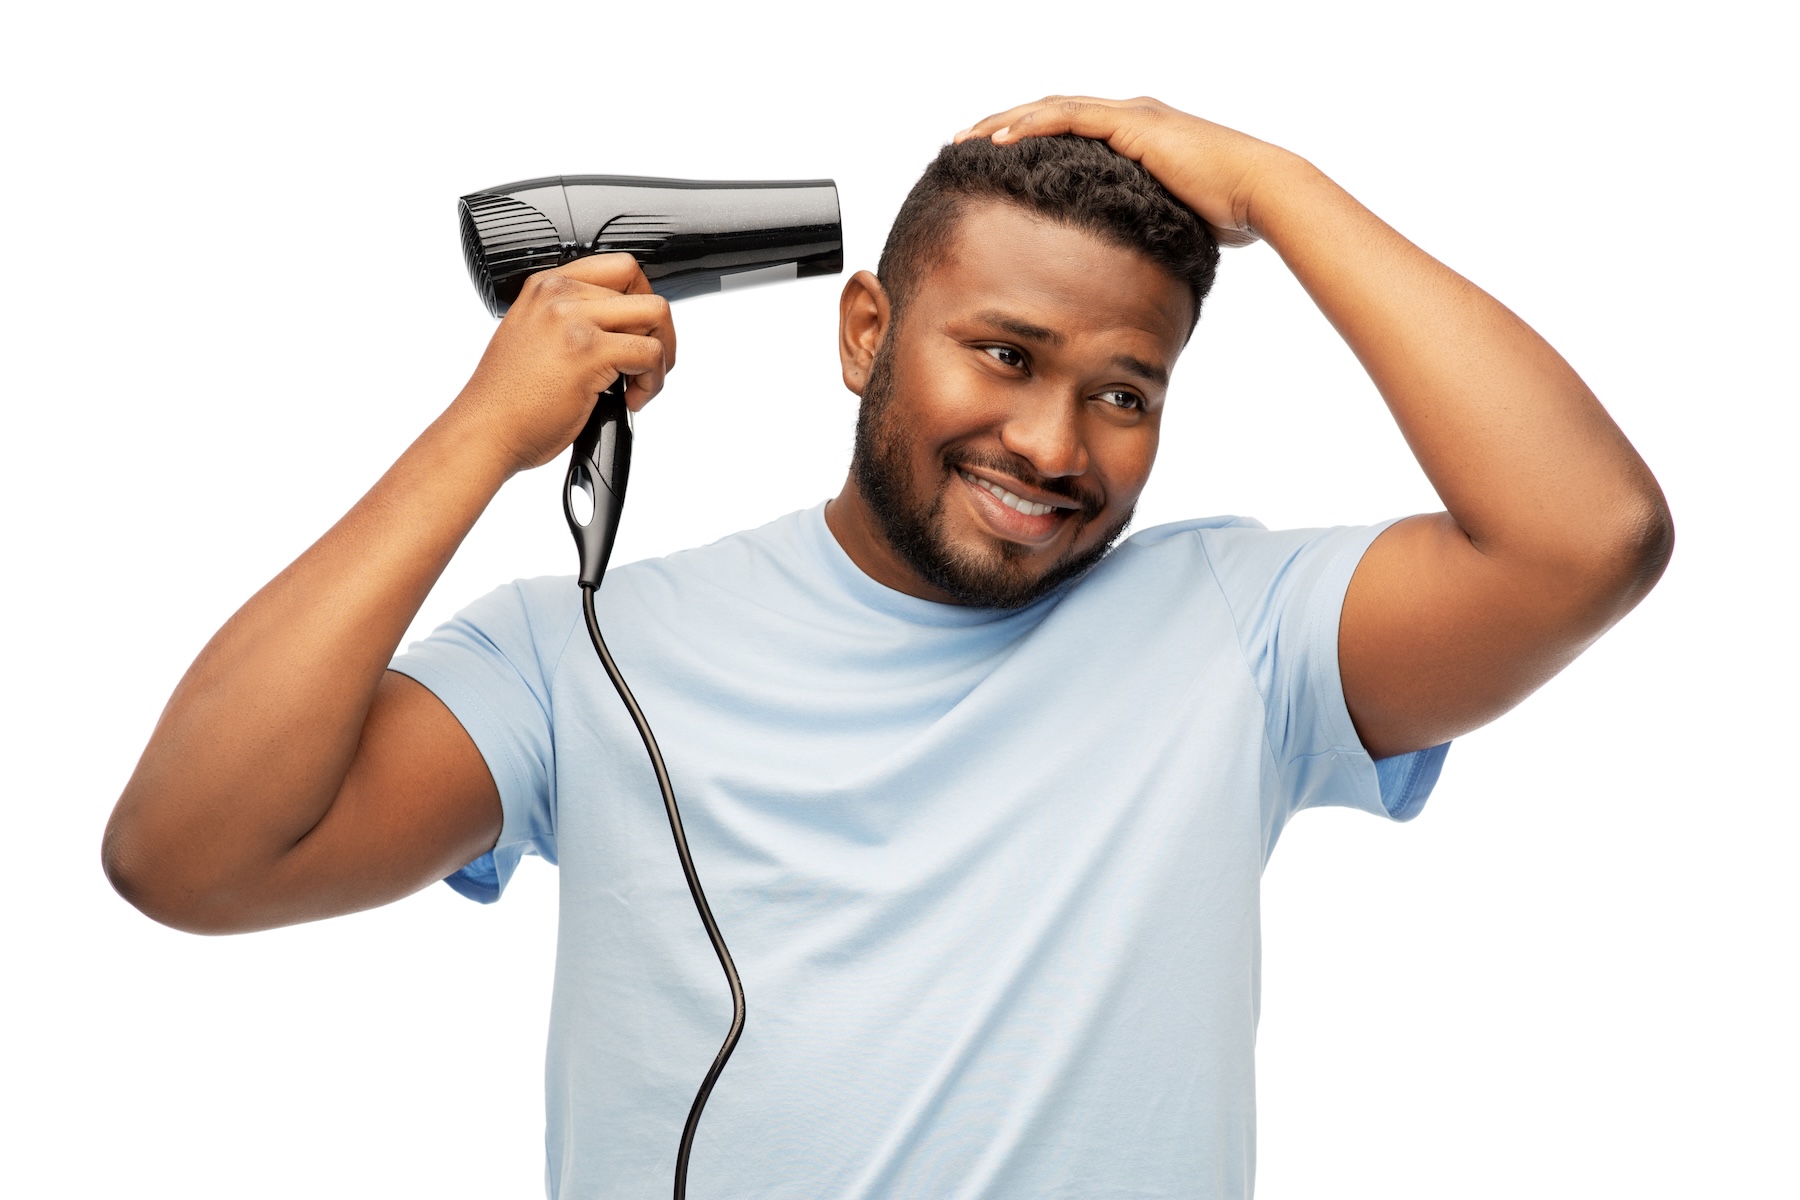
[
  {"x": 963, "y": 133},
  {"x": 1000, "y": 132}
]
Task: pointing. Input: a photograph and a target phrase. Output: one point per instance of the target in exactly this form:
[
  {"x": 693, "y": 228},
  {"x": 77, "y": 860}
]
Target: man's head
[{"x": 1012, "y": 357}]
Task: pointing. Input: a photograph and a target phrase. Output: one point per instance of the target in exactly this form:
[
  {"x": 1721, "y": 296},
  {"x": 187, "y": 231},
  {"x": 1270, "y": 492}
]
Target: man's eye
[
  {"x": 1122, "y": 399},
  {"x": 1006, "y": 354}
]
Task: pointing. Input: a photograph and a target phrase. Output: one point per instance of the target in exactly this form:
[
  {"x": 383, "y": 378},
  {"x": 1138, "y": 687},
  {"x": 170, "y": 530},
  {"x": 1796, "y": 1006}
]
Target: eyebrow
[
  {"x": 1049, "y": 337},
  {"x": 1022, "y": 329},
  {"x": 1137, "y": 366}
]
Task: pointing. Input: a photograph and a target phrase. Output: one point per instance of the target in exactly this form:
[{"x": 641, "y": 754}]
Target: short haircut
[{"x": 1074, "y": 181}]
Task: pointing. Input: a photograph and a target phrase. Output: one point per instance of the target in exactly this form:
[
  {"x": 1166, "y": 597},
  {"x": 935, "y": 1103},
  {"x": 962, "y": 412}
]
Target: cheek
[
  {"x": 1122, "y": 458},
  {"x": 945, "y": 399}
]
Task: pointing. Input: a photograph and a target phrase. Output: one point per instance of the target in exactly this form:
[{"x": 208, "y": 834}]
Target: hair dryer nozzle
[{"x": 689, "y": 236}]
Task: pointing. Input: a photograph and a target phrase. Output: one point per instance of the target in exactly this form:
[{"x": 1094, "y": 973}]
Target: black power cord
[{"x": 694, "y": 890}]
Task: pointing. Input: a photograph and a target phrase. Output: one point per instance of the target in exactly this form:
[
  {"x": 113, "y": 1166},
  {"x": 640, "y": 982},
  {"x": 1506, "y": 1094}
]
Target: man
[{"x": 982, "y": 807}]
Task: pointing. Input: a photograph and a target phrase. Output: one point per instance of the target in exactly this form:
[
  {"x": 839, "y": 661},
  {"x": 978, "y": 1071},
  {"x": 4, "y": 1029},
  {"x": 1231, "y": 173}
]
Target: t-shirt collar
[{"x": 823, "y": 546}]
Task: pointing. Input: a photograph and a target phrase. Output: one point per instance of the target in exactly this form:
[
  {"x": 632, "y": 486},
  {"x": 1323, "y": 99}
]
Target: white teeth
[{"x": 1029, "y": 507}]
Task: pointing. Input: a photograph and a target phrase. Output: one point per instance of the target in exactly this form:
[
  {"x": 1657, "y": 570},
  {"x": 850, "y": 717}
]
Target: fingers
[
  {"x": 1088, "y": 116},
  {"x": 620, "y": 335},
  {"x": 571, "y": 333},
  {"x": 646, "y": 315},
  {"x": 1208, "y": 167},
  {"x": 582, "y": 313},
  {"x": 635, "y": 307},
  {"x": 639, "y": 359},
  {"x": 1085, "y": 116},
  {"x": 616, "y": 272},
  {"x": 989, "y": 125}
]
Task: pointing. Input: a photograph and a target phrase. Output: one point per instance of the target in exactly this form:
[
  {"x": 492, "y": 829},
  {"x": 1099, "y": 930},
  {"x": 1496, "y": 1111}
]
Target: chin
[{"x": 983, "y": 571}]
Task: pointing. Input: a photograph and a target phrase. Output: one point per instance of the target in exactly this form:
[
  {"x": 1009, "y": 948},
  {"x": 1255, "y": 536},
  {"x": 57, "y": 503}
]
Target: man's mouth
[{"x": 1016, "y": 502}]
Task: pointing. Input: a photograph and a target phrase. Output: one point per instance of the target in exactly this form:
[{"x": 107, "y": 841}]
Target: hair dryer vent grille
[{"x": 504, "y": 240}]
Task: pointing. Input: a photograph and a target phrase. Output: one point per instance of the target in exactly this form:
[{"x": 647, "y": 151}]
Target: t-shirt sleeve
[
  {"x": 492, "y": 666},
  {"x": 1286, "y": 592}
]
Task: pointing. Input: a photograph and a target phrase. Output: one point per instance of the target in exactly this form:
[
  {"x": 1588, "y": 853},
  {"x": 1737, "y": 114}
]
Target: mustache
[{"x": 1091, "y": 502}]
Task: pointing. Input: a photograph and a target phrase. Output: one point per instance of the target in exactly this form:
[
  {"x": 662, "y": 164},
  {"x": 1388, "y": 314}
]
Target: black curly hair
[{"x": 1072, "y": 180}]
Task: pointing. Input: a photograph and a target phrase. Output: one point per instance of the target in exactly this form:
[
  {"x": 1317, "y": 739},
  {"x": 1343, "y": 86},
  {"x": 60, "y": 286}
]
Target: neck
[{"x": 854, "y": 526}]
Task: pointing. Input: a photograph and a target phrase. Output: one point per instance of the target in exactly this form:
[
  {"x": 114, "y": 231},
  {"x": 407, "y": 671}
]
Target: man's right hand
[
  {"x": 292, "y": 776},
  {"x": 571, "y": 333}
]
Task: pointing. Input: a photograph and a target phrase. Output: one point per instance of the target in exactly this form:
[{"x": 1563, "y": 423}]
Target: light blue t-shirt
[{"x": 991, "y": 878}]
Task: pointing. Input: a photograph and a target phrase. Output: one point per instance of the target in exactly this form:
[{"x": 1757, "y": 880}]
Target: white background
[{"x": 234, "y": 293}]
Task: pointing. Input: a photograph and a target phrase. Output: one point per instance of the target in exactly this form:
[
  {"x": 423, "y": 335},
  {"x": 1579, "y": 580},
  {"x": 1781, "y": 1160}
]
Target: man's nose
[{"x": 1045, "y": 430}]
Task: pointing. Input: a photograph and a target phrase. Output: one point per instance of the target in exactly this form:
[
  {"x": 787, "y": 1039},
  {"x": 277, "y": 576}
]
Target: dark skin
[
  {"x": 1010, "y": 352},
  {"x": 292, "y": 777}
]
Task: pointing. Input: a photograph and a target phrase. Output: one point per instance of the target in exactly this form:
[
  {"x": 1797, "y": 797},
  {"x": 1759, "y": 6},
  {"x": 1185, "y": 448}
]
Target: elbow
[
  {"x": 1646, "y": 544},
  {"x": 1620, "y": 558},
  {"x": 1604, "y": 559},
  {"x": 131, "y": 872},
  {"x": 135, "y": 875},
  {"x": 149, "y": 880}
]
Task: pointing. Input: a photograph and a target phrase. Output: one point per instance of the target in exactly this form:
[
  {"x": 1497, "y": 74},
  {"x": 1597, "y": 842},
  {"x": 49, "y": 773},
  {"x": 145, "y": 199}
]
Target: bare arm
[
  {"x": 293, "y": 777},
  {"x": 1555, "y": 527}
]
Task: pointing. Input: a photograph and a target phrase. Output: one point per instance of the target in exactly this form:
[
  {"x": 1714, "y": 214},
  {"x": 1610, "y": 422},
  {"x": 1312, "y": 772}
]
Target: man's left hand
[
  {"x": 1213, "y": 170},
  {"x": 1555, "y": 527}
]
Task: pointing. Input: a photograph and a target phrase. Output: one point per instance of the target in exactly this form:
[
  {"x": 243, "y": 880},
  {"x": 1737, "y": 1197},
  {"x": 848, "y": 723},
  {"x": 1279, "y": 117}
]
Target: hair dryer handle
[{"x": 594, "y": 489}]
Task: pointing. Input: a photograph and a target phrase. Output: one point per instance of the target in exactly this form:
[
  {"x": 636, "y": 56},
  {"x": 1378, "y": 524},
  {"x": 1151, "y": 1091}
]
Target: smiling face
[{"x": 1010, "y": 416}]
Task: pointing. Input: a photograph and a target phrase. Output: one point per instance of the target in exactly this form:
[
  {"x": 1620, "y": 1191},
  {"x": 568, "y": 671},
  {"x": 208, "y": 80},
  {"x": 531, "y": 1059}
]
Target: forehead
[{"x": 1002, "y": 257}]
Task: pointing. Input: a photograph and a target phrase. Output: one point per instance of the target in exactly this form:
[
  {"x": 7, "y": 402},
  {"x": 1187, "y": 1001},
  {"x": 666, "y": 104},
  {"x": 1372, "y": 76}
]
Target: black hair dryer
[{"x": 691, "y": 237}]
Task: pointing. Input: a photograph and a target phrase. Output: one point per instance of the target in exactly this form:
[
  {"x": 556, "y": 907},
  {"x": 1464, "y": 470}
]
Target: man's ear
[{"x": 863, "y": 315}]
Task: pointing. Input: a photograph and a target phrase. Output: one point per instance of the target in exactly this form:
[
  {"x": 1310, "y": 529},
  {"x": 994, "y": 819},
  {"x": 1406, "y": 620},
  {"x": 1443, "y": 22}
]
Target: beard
[{"x": 994, "y": 574}]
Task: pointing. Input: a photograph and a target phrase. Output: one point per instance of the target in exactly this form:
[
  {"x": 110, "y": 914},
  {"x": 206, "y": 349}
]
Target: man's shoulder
[
  {"x": 732, "y": 561},
  {"x": 1232, "y": 540},
  {"x": 1156, "y": 535},
  {"x": 1193, "y": 541},
  {"x": 1236, "y": 557},
  {"x": 727, "y": 558}
]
